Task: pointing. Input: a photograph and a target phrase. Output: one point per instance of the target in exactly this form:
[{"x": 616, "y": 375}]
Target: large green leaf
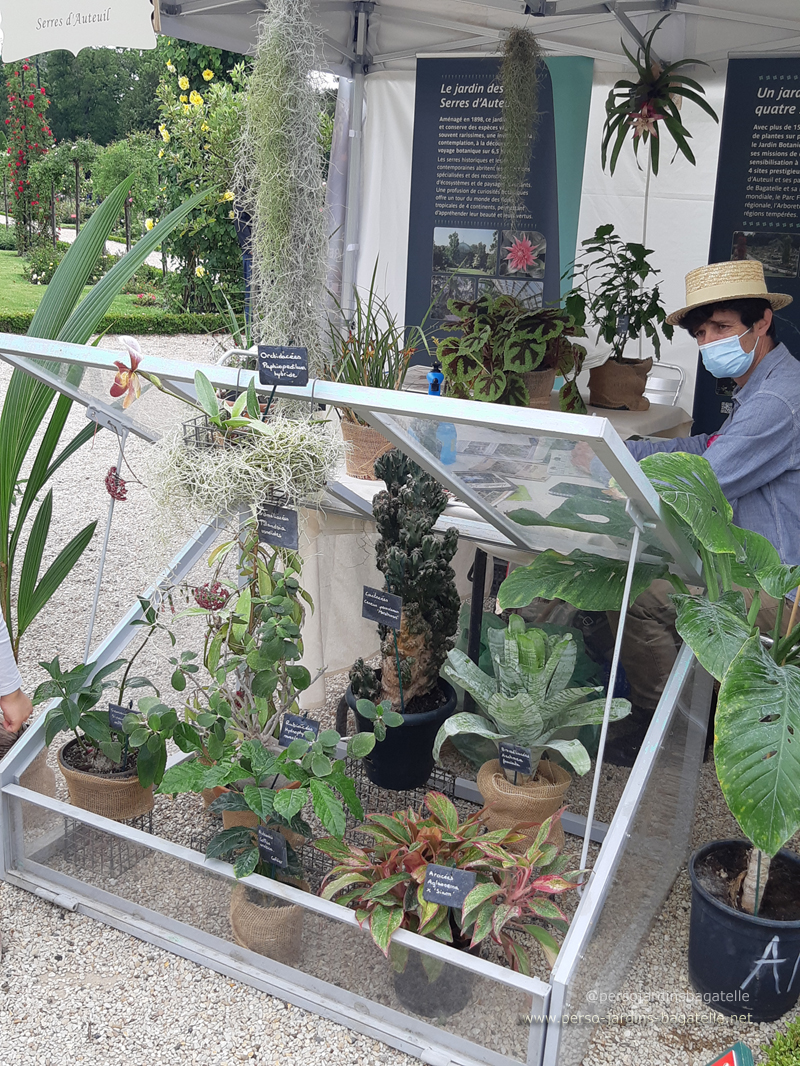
[
  {"x": 715, "y": 631},
  {"x": 688, "y": 485},
  {"x": 762, "y": 566},
  {"x": 461, "y": 670},
  {"x": 757, "y": 746},
  {"x": 32, "y": 600},
  {"x": 587, "y": 581},
  {"x": 583, "y": 514},
  {"x": 473, "y": 724},
  {"x": 519, "y": 717}
]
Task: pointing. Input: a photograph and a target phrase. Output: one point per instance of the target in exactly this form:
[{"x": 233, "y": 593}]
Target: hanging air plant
[
  {"x": 654, "y": 97},
  {"x": 519, "y": 78}
]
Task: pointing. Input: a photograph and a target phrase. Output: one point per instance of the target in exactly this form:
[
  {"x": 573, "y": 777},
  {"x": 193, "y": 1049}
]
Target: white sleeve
[{"x": 10, "y": 679}]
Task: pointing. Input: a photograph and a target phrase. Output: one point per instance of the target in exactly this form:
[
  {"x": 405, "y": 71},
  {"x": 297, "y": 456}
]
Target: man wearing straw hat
[{"x": 755, "y": 456}]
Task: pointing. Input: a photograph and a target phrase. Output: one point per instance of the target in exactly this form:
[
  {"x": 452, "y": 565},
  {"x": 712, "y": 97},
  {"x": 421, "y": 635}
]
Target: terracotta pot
[
  {"x": 274, "y": 931},
  {"x": 365, "y": 446},
  {"x": 116, "y": 796},
  {"x": 540, "y": 385},
  {"x": 620, "y": 386},
  {"x": 533, "y": 801}
]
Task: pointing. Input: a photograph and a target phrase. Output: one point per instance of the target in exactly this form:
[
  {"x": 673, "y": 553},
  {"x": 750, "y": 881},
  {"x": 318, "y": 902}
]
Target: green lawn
[{"x": 17, "y": 294}]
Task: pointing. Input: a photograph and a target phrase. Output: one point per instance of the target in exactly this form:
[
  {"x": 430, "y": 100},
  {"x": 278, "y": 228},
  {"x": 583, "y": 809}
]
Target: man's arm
[
  {"x": 693, "y": 445},
  {"x": 14, "y": 704}
]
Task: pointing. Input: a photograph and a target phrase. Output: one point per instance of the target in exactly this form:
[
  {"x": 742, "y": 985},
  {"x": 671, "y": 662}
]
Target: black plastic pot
[
  {"x": 742, "y": 965},
  {"x": 404, "y": 760},
  {"x": 446, "y": 995}
]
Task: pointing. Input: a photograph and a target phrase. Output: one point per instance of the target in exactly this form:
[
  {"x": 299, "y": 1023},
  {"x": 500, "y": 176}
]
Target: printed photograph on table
[
  {"x": 469, "y": 251},
  {"x": 779, "y": 253},
  {"x": 522, "y": 252}
]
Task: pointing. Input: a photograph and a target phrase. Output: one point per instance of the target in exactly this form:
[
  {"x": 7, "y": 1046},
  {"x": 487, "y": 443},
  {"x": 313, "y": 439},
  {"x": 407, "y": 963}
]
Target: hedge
[{"x": 135, "y": 325}]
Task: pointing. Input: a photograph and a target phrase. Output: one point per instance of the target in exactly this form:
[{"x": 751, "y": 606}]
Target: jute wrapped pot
[
  {"x": 116, "y": 796},
  {"x": 273, "y": 931},
  {"x": 620, "y": 386},
  {"x": 540, "y": 386},
  {"x": 531, "y": 802},
  {"x": 41, "y": 778},
  {"x": 365, "y": 445}
]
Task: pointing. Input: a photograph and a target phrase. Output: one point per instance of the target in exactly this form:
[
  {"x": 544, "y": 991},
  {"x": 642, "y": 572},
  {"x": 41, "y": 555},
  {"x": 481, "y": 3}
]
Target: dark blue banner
[{"x": 757, "y": 201}]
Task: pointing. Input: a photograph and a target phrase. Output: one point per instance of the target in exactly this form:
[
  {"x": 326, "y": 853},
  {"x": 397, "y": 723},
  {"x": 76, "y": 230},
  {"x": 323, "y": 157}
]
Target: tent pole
[{"x": 363, "y": 9}]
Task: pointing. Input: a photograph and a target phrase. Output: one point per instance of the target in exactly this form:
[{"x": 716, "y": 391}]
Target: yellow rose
[
  {"x": 199, "y": 271},
  {"x": 170, "y": 67},
  {"x": 183, "y": 83},
  {"x": 161, "y": 153},
  {"x": 208, "y": 74},
  {"x": 231, "y": 214},
  {"x": 227, "y": 195},
  {"x": 196, "y": 98},
  {"x": 162, "y": 129},
  {"x": 205, "y": 128},
  {"x": 149, "y": 224},
  {"x": 186, "y": 109},
  {"x": 184, "y": 99}
]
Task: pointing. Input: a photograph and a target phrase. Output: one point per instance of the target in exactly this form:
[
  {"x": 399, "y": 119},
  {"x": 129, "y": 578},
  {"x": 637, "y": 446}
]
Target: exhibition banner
[
  {"x": 46, "y": 25},
  {"x": 757, "y": 201},
  {"x": 460, "y": 243}
]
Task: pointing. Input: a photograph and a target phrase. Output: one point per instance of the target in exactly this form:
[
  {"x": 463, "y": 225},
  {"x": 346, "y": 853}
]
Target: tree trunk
[
  {"x": 5, "y": 197},
  {"x": 77, "y": 197},
  {"x": 127, "y": 224},
  {"x": 755, "y": 881},
  {"x": 53, "y": 212}
]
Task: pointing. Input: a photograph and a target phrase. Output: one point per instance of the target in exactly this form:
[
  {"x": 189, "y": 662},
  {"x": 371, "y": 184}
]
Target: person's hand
[{"x": 16, "y": 708}]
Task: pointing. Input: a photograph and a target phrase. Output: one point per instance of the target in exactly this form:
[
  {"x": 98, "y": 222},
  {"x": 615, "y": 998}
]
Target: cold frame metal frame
[{"x": 412, "y": 1035}]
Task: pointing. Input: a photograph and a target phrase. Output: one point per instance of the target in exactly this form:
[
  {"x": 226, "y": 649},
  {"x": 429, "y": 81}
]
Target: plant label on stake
[
  {"x": 278, "y": 526},
  {"x": 117, "y": 715},
  {"x": 272, "y": 847},
  {"x": 295, "y": 727},
  {"x": 382, "y": 607},
  {"x": 516, "y": 758},
  {"x": 445, "y": 885},
  {"x": 282, "y": 366}
]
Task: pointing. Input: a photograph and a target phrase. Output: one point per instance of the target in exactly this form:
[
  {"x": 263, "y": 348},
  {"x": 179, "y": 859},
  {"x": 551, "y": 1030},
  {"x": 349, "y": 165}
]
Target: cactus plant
[{"x": 416, "y": 565}]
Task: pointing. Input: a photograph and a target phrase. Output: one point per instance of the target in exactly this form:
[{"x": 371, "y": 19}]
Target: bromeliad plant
[
  {"x": 527, "y": 701},
  {"x": 653, "y": 97},
  {"x": 757, "y": 723},
  {"x": 501, "y": 341},
  {"x": 384, "y": 882}
]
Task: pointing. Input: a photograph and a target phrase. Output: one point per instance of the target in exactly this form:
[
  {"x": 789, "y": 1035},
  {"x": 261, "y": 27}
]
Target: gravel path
[{"x": 74, "y": 991}]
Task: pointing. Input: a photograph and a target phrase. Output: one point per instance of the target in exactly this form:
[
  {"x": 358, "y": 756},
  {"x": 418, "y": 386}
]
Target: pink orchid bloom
[
  {"x": 521, "y": 254},
  {"x": 126, "y": 381},
  {"x": 644, "y": 121}
]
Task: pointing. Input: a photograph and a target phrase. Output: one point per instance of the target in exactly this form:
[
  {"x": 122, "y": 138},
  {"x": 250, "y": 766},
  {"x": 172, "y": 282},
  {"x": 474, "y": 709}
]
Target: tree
[
  {"x": 134, "y": 155},
  {"x": 88, "y": 90},
  {"x": 29, "y": 137}
]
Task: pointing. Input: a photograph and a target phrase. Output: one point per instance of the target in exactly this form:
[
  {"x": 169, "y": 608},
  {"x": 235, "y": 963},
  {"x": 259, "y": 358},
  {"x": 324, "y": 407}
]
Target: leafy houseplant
[
  {"x": 653, "y": 97},
  {"x": 519, "y": 78},
  {"x": 758, "y": 709},
  {"x": 610, "y": 294},
  {"x": 501, "y": 342},
  {"x": 384, "y": 884}
]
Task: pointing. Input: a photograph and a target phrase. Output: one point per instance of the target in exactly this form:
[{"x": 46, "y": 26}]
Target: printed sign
[
  {"x": 30, "y": 29},
  {"x": 447, "y": 886},
  {"x": 278, "y": 526},
  {"x": 513, "y": 757},
  {"x": 382, "y": 607},
  {"x": 738, "y": 1055},
  {"x": 272, "y": 847},
  {"x": 117, "y": 715},
  {"x": 282, "y": 366},
  {"x": 295, "y": 727}
]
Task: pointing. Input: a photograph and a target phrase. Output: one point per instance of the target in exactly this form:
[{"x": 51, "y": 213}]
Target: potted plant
[
  {"x": 367, "y": 348},
  {"x": 508, "y": 353},
  {"x": 525, "y": 701},
  {"x": 383, "y": 883},
  {"x": 415, "y": 563},
  {"x": 746, "y": 893},
  {"x": 609, "y": 293}
]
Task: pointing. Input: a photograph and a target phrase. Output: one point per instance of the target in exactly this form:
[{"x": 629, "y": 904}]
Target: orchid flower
[
  {"x": 126, "y": 381},
  {"x": 644, "y": 121}
]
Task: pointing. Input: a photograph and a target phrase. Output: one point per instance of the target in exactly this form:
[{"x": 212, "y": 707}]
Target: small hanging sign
[
  {"x": 272, "y": 847},
  {"x": 117, "y": 715},
  {"x": 30, "y": 29},
  {"x": 282, "y": 366},
  {"x": 445, "y": 885},
  {"x": 295, "y": 727},
  {"x": 738, "y": 1055},
  {"x": 382, "y": 607},
  {"x": 278, "y": 526},
  {"x": 513, "y": 757}
]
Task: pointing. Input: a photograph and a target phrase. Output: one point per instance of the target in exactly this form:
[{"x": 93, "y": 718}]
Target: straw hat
[{"x": 738, "y": 280}]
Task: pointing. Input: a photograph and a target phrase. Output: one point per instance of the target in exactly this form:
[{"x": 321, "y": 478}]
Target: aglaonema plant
[
  {"x": 64, "y": 316},
  {"x": 756, "y": 752}
]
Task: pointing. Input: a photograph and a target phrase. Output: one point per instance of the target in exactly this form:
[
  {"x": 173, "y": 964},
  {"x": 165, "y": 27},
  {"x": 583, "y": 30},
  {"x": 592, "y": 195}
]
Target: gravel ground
[{"x": 72, "y": 990}]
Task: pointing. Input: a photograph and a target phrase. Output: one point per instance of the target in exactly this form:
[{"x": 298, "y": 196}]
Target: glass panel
[
  {"x": 656, "y": 848},
  {"x": 473, "y": 1007}
]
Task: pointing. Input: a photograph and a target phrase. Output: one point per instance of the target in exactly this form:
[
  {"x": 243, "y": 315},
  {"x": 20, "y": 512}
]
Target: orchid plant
[{"x": 655, "y": 96}]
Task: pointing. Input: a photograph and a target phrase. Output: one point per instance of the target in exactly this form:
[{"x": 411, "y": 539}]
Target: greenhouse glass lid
[{"x": 541, "y": 479}]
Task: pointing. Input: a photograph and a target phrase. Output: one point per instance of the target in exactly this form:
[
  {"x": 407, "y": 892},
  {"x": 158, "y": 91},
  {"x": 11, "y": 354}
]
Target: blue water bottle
[{"x": 446, "y": 435}]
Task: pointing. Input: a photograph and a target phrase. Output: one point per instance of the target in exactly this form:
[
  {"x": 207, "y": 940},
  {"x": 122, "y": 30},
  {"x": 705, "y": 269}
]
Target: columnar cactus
[{"x": 416, "y": 566}]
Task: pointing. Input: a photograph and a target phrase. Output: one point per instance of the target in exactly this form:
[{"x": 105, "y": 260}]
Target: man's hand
[{"x": 16, "y": 708}]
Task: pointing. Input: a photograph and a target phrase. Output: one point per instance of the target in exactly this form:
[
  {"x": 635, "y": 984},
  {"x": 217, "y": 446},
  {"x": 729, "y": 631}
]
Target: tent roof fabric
[{"x": 709, "y": 30}]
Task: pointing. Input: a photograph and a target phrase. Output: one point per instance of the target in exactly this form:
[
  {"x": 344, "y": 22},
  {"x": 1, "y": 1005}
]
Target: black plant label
[
  {"x": 447, "y": 886},
  {"x": 117, "y": 715},
  {"x": 278, "y": 526},
  {"x": 295, "y": 727},
  {"x": 513, "y": 757},
  {"x": 272, "y": 847},
  {"x": 382, "y": 607},
  {"x": 282, "y": 366}
]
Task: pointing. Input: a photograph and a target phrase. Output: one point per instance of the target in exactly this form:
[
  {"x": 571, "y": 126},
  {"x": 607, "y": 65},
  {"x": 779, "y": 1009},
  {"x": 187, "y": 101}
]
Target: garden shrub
[
  {"x": 8, "y": 239},
  {"x": 148, "y": 321},
  {"x": 784, "y": 1048}
]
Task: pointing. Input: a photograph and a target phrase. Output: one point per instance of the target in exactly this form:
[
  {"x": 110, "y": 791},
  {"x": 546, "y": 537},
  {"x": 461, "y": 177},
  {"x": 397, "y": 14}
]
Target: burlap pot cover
[
  {"x": 275, "y": 932},
  {"x": 540, "y": 385},
  {"x": 39, "y": 777},
  {"x": 531, "y": 802},
  {"x": 620, "y": 386},
  {"x": 365, "y": 446},
  {"x": 117, "y": 796}
]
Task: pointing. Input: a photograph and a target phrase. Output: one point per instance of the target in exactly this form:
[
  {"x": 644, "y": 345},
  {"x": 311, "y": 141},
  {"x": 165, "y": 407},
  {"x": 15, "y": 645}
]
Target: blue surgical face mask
[{"x": 726, "y": 358}]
